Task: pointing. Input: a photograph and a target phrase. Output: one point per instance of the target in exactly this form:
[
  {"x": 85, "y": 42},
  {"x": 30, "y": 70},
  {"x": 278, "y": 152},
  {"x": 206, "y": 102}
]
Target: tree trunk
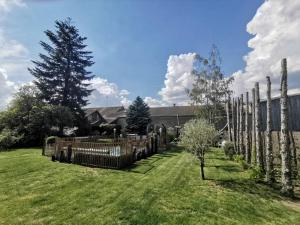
[
  {"x": 233, "y": 125},
  {"x": 228, "y": 119},
  {"x": 242, "y": 121},
  {"x": 294, "y": 148},
  {"x": 202, "y": 169},
  {"x": 259, "y": 150},
  {"x": 247, "y": 137},
  {"x": 253, "y": 154},
  {"x": 286, "y": 167},
  {"x": 238, "y": 125},
  {"x": 269, "y": 148}
]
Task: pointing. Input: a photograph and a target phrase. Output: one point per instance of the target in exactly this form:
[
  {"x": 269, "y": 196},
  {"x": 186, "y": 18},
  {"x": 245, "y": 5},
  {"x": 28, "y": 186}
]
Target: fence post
[
  {"x": 238, "y": 125},
  {"x": 259, "y": 150},
  {"x": 247, "y": 137},
  {"x": 242, "y": 149},
  {"x": 233, "y": 124},
  {"x": 228, "y": 118},
  {"x": 269, "y": 147},
  {"x": 253, "y": 150},
  {"x": 286, "y": 168}
]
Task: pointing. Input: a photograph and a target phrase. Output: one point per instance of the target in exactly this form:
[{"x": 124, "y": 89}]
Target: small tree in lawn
[
  {"x": 197, "y": 136},
  {"x": 138, "y": 117}
]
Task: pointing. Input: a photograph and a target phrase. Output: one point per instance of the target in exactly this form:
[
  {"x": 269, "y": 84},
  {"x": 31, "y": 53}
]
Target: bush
[
  {"x": 256, "y": 173},
  {"x": 8, "y": 138},
  {"x": 240, "y": 159},
  {"x": 229, "y": 149}
]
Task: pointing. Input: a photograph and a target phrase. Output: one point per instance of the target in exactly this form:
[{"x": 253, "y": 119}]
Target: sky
[{"x": 148, "y": 48}]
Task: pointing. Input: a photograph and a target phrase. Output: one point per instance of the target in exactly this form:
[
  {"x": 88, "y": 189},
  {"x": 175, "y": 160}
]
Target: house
[{"x": 170, "y": 117}]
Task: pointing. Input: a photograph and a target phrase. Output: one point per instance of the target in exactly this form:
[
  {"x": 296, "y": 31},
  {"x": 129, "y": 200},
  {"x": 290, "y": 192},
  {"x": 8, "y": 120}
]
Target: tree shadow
[{"x": 257, "y": 188}]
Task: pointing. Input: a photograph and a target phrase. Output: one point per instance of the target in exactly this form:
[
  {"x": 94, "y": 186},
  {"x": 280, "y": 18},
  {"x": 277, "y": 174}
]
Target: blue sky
[{"x": 132, "y": 40}]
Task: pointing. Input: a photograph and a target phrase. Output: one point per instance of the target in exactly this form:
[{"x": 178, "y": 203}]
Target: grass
[{"x": 163, "y": 189}]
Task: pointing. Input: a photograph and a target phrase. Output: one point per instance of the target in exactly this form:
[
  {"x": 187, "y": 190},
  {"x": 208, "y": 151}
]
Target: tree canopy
[
  {"x": 138, "y": 117},
  {"x": 28, "y": 120},
  {"x": 197, "y": 136},
  {"x": 61, "y": 73},
  {"x": 211, "y": 88}
]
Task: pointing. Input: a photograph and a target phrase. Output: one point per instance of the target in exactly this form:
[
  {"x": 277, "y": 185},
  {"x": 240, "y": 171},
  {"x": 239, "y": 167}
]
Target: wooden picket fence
[{"x": 114, "y": 154}]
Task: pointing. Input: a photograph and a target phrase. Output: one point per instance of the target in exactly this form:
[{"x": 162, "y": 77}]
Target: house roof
[
  {"x": 110, "y": 114},
  {"x": 173, "y": 111}
]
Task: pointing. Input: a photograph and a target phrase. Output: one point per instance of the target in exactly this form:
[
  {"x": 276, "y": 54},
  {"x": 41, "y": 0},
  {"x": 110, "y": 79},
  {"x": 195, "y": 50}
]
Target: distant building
[{"x": 173, "y": 116}]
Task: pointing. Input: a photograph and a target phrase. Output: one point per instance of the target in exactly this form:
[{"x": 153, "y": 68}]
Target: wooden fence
[{"x": 114, "y": 154}]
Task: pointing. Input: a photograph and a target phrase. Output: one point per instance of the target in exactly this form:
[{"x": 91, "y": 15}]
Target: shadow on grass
[
  {"x": 145, "y": 165},
  {"x": 257, "y": 188}
]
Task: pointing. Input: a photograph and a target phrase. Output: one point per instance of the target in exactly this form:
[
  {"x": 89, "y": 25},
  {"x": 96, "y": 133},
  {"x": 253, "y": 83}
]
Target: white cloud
[
  {"x": 152, "y": 102},
  {"x": 276, "y": 33},
  {"x": 107, "y": 93},
  {"x": 178, "y": 79},
  {"x": 7, "y": 5},
  {"x": 7, "y": 88},
  {"x": 13, "y": 56}
]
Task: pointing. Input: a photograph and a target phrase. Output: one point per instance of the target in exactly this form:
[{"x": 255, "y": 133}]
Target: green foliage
[
  {"x": 30, "y": 119},
  {"x": 197, "y": 136},
  {"x": 229, "y": 149},
  {"x": 210, "y": 89},
  {"x": 256, "y": 173},
  {"x": 8, "y": 139},
  {"x": 159, "y": 190},
  {"x": 61, "y": 74},
  {"x": 240, "y": 159},
  {"x": 138, "y": 117}
]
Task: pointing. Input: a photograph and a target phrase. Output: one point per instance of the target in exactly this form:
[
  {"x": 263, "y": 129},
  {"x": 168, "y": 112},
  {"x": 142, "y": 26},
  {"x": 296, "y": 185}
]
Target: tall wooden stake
[
  {"x": 269, "y": 148},
  {"x": 238, "y": 125},
  {"x": 233, "y": 124},
  {"x": 247, "y": 136},
  {"x": 253, "y": 150},
  {"x": 242, "y": 121},
  {"x": 286, "y": 167},
  {"x": 228, "y": 119},
  {"x": 259, "y": 150}
]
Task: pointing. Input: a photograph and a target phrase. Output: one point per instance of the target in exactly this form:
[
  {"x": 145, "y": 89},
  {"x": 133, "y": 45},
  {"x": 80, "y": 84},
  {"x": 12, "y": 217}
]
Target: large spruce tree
[
  {"x": 138, "y": 116},
  {"x": 61, "y": 73}
]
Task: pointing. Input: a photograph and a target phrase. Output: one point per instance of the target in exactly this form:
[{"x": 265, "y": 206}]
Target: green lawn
[{"x": 164, "y": 189}]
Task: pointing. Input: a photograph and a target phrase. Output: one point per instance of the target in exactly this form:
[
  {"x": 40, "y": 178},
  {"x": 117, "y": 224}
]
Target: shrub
[
  {"x": 8, "y": 138},
  {"x": 229, "y": 149},
  {"x": 256, "y": 173},
  {"x": 240, "y": 159}
]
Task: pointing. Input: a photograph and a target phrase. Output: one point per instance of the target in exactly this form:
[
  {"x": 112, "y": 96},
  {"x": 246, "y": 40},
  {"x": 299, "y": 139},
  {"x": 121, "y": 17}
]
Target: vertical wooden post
[
  {"x": 259, "y": 150},
  {"x": 253, "y": 150},
  {"x": 286, "y": 167},
  {"x": 247, "y": 137},
  {"x": 228, "y": 119},
  {"x": 233, "y": 110},
  {"x": 269, "y": 144},
  {"x": 238, "y": 125},
  {"x": 294, "y": 154},
  {"x": 242, "y": 122}
]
